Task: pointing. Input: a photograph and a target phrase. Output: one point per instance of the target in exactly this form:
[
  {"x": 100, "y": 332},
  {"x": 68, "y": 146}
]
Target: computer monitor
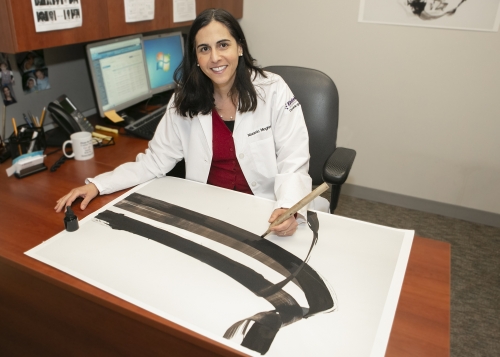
[
  {"x": 119, "y": 73},
  {"x": 163, "y": 55}
]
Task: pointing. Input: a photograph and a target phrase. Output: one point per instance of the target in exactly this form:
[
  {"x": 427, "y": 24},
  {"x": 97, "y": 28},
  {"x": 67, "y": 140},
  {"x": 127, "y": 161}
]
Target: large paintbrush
[{"x": 296, "y": 207}]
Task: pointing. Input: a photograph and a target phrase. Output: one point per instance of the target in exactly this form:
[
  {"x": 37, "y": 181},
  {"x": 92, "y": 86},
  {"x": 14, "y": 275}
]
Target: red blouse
[{"x": 225, "y": 170}]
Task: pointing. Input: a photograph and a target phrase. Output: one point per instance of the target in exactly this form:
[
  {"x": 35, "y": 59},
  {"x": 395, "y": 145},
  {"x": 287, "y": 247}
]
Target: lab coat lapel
[
  {"x": 240, "y": 118},
  {"x": 206, "y": 126}
]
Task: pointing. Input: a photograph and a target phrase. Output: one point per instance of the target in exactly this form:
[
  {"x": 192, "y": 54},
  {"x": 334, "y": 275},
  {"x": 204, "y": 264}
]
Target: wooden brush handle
[{"x": 296, "y": 207}]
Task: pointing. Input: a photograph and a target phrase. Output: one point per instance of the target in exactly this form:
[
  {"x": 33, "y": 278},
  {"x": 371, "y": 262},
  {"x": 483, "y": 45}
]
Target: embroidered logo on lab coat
[{"x": 292, "y": 104}]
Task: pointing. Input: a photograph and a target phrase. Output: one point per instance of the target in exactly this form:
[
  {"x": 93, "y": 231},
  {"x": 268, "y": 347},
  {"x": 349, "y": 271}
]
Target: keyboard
[{"x": 145, "y": 127}]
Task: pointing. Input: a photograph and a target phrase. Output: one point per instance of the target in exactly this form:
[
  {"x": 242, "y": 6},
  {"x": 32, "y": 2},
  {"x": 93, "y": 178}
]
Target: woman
[
  {"x": 220, "y": 90},
  {"x": 8, "y": 98}
]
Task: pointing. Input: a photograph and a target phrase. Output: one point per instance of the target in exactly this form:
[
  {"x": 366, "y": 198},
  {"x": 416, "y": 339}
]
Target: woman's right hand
[{"x": 87, "y": 192}]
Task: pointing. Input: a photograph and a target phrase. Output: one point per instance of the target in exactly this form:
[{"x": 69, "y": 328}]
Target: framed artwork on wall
[{"x": 449, "y": 14}]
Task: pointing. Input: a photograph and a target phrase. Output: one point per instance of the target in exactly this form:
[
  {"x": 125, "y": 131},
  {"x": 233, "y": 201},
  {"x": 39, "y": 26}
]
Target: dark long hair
[{"x": 194, "y": 91}]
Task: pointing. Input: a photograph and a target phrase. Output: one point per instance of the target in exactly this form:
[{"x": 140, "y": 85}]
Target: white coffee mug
[{"x": 82, "y": 146}]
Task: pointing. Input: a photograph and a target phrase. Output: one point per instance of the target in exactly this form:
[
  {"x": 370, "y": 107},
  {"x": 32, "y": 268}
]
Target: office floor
[{"x": 475, "y": 269}]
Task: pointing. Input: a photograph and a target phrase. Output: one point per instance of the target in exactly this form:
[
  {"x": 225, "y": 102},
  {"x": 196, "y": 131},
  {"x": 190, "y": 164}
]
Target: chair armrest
[{"x": 338, "y": 165}]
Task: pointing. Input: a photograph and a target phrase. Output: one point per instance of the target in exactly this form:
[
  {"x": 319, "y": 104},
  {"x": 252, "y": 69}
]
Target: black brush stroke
[
  {"x": 316, "y": 291},
  {"x": 264, "y": 325},
  {"x": 262, "y": 335}
]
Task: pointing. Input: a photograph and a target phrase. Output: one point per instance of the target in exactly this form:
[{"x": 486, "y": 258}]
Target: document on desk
[{"x": 331, "y": 289}]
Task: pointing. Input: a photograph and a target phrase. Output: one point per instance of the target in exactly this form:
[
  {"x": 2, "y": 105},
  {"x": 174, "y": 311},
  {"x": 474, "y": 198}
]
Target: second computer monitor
[{"x": 163, "y": 55}]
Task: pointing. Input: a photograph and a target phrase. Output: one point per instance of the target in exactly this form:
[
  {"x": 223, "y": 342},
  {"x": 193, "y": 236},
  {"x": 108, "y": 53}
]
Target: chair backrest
[{"x": 319, "y": 99}]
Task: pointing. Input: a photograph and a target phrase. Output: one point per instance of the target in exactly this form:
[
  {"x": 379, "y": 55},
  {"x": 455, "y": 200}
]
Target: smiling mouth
[{"x": 219, "y": 69}]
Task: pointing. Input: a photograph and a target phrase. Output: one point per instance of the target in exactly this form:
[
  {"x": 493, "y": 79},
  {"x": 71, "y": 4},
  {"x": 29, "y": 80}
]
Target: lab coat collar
[{"x": 206, "y": 125}]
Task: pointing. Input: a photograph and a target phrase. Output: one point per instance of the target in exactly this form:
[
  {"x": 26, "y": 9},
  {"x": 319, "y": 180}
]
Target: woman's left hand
[{"x": 286, "y": 228}]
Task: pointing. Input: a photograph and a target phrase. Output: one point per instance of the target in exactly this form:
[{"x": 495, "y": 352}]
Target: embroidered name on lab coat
[{"x": 259, "y": 130}]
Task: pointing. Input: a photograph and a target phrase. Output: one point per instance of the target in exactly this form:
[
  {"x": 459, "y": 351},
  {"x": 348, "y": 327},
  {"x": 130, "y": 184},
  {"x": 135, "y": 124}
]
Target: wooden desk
[{"x": 46, "y": 312}]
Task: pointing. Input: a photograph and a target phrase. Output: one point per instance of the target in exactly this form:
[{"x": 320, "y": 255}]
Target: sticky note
[
  {"x": 111, "y": 115},
  {"x": 101, "y": 136}
]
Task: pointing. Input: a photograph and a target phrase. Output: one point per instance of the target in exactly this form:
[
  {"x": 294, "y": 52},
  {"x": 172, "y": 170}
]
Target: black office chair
[{"x": 319, "y": 98}]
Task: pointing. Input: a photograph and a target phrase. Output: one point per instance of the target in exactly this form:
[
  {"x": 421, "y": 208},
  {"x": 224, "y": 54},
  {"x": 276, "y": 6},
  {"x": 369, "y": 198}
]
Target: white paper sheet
[
  {"x": 50, "y": 15},
  {"x": 364, "y": 263},
  {"x": 139, "y": 10},
  {"x": 184, "y": 10}
]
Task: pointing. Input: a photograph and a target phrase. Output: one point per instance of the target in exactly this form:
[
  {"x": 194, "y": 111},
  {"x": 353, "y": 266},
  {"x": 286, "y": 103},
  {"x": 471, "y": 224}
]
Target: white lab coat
[{"x": 272, "y": 148}]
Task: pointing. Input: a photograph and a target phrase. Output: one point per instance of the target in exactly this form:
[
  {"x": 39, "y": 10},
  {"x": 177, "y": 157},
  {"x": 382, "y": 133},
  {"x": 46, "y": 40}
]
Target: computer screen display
[
  {"x": 119, "y": 73},
  {"x": 163, "y": 55}
]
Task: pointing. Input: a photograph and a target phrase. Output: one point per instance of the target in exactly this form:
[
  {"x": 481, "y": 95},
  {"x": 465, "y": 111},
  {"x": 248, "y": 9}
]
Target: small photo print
[
  {"x": 29, "y": 61},
  {"x": 8, "y": 81},
  {"x": 8, "y": 96},
  {"x": 34, "y": 73}
]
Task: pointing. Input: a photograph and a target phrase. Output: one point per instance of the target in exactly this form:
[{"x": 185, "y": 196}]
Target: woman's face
[
  {"x": 6, "y": 91},
  {"x": 217, "y": 53},
  {"x": 438, "y": 8}
]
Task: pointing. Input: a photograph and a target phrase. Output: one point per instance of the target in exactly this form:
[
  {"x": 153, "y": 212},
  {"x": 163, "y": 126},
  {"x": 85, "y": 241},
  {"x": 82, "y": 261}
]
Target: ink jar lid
[{"x": 70, "y": 220}]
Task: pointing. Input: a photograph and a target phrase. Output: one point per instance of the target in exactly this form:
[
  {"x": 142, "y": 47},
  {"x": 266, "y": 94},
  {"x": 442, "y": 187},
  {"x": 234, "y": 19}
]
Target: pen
[
  {"x": 27, "y": 121},
  {"x": 30, "y": 116},
  {"x": 14, "y": 125},
  {"x": 32, "y": 144},
  {"x": 42, "y": 117},
  {"x": 294, "y": 209}
]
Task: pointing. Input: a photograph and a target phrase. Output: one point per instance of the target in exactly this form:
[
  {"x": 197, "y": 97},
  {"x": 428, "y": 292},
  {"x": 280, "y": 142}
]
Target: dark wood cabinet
[
  {"x": 100, "y": 20},
  {"x": 235, "y": 7},
  {"x": 18, "y": 27}
]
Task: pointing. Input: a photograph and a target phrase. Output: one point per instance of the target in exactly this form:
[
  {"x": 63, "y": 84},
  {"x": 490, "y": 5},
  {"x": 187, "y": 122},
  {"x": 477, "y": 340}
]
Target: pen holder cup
[{"x": 27, "y": 140}]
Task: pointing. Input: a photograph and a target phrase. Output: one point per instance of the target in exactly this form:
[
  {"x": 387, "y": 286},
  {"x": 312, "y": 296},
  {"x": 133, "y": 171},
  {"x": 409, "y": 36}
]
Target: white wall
[{"x": 421, "y": 106}]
